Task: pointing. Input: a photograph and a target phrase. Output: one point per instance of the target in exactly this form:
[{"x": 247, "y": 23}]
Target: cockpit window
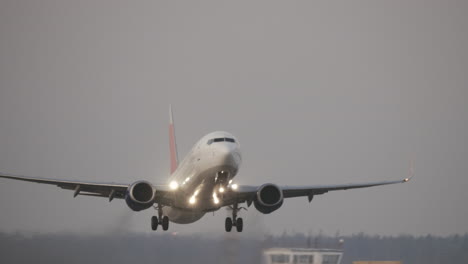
[{"x": 220, "y": 140}]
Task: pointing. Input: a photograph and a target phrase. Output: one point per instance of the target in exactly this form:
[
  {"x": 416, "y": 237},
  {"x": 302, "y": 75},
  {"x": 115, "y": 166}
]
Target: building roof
[{"x": 308, "y": 250}]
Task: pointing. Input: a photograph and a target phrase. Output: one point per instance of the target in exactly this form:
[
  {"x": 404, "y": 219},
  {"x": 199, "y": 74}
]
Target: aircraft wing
[
  {"x": 246, "y": 193},
  {"x": 97, "y": 189},
  {"x": 109, "y": 190},
  {"x": 309, "y": 191}
]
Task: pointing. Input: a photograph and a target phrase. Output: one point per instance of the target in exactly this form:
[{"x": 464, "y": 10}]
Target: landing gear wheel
[
  {"x": 239, "y": 224},
  {"x": 165, "y": 223},
  {"x": 154, "y": 223},
  {"x": 228, "y": 224}
]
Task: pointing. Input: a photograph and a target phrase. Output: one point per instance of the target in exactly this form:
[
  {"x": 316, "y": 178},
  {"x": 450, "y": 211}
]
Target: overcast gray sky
[{"x": 317, "y": 92}]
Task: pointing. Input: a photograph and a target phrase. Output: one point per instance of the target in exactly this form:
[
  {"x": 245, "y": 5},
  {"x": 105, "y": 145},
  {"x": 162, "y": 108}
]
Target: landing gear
[
  {"x": 154, "y": 223},
  {"x": 239, "y": 225},
  {"x": 165, "y": 223},
  {"x": 234, "y": 221},
  {"x": 222, "y": 177},
  {"x": 228, "y": 224},
  {"x": 159, "y": 220}
]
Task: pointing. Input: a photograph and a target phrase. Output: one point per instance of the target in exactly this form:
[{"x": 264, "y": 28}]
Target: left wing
[
  {"x": 109, "y": 190},
  {"x": 310, "y": 191},
  {"x": 247, "y": 194}
]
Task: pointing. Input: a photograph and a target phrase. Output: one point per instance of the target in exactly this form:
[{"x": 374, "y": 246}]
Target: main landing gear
[
  {"x": 234, "y": 221},
  {"x": 159, "y": 220}
]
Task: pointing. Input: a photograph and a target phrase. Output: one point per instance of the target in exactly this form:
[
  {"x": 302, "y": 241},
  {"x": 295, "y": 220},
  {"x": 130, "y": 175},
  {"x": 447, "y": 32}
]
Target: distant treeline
[{"x": 229, "y": 248}]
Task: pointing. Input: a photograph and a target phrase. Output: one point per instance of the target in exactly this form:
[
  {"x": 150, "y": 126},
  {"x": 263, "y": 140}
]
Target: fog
[{"x": 230, "y": 248}]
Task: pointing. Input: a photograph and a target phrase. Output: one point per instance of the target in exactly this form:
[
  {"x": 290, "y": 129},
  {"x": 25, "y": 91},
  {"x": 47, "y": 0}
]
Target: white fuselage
[{"x": 203, "y": 176}]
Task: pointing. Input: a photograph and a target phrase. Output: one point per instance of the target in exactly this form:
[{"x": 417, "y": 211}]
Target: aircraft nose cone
[
  {"x": 228, "y": 154},
  {"x": 224, "y": 150}
]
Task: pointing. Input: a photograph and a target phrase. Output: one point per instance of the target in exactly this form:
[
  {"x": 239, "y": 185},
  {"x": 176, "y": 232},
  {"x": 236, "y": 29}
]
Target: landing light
[
  {"x": 221, "y": 189},
  {"x": 174, "y": 185},
  {"x": 234, "y": 186},
  {"x": 192, "y": 200},
  {"x": 215, "y": 198}
]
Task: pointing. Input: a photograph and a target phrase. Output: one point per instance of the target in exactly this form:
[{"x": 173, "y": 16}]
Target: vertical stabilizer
[{"x": 172, "y": 142}]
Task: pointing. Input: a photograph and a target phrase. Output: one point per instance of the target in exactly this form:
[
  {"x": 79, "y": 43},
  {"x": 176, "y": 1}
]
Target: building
[
  {"x": 302, "y": 256},
  {"x": 376, "y": 262}
]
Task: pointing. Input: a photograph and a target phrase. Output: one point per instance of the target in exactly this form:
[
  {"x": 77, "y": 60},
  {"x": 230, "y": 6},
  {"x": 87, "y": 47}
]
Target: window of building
[
  {"x": 279, "y": 258},
  {"x": 304, "y": 259},
  {"x": 330, "y": 259}
]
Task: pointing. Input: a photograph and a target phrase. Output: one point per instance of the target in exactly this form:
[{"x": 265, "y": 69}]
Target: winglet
[
  {"x": 410, "y": 172},
  {"x": 172, "y": 142}
]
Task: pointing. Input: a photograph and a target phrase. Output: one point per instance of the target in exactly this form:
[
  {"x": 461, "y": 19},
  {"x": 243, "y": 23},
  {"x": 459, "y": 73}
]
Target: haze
[{"x": 317, "y": 92}]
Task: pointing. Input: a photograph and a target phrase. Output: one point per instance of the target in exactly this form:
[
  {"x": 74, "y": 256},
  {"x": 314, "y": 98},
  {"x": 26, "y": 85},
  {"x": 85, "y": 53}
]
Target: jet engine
[
  {"x": 269, "y": 198},
  {"x": 140, "y": 196}
]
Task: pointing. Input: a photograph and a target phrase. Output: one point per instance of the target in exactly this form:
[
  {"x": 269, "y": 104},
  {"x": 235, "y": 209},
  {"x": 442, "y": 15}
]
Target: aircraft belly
[{"x": 181, "y": 216}]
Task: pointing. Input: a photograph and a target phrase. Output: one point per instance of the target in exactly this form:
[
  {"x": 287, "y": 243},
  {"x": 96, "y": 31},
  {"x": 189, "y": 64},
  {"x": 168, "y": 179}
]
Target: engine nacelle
[
  {"x": 140, "y": 196},
  {"x": 269, "y": 198}
]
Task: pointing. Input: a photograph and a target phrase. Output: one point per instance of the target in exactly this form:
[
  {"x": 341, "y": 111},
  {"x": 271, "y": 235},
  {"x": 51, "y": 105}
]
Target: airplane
[{"x": 202, "y": 182}]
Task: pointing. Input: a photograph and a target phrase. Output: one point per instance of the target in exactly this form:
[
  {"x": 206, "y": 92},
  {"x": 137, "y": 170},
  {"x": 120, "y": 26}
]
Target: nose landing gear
[
  {"x": 161, "y": 220},
  {"x": 222, "y": 177}
]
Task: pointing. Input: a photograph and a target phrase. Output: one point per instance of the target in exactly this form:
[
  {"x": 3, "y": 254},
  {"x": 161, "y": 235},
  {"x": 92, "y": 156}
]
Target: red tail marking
[
  {"x": 172, "y": 147},
  {"x": 172, "y": 143}
]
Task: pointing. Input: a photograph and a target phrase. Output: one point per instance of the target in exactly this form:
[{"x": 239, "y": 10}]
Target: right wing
[{"x": 107, "y": 190}]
